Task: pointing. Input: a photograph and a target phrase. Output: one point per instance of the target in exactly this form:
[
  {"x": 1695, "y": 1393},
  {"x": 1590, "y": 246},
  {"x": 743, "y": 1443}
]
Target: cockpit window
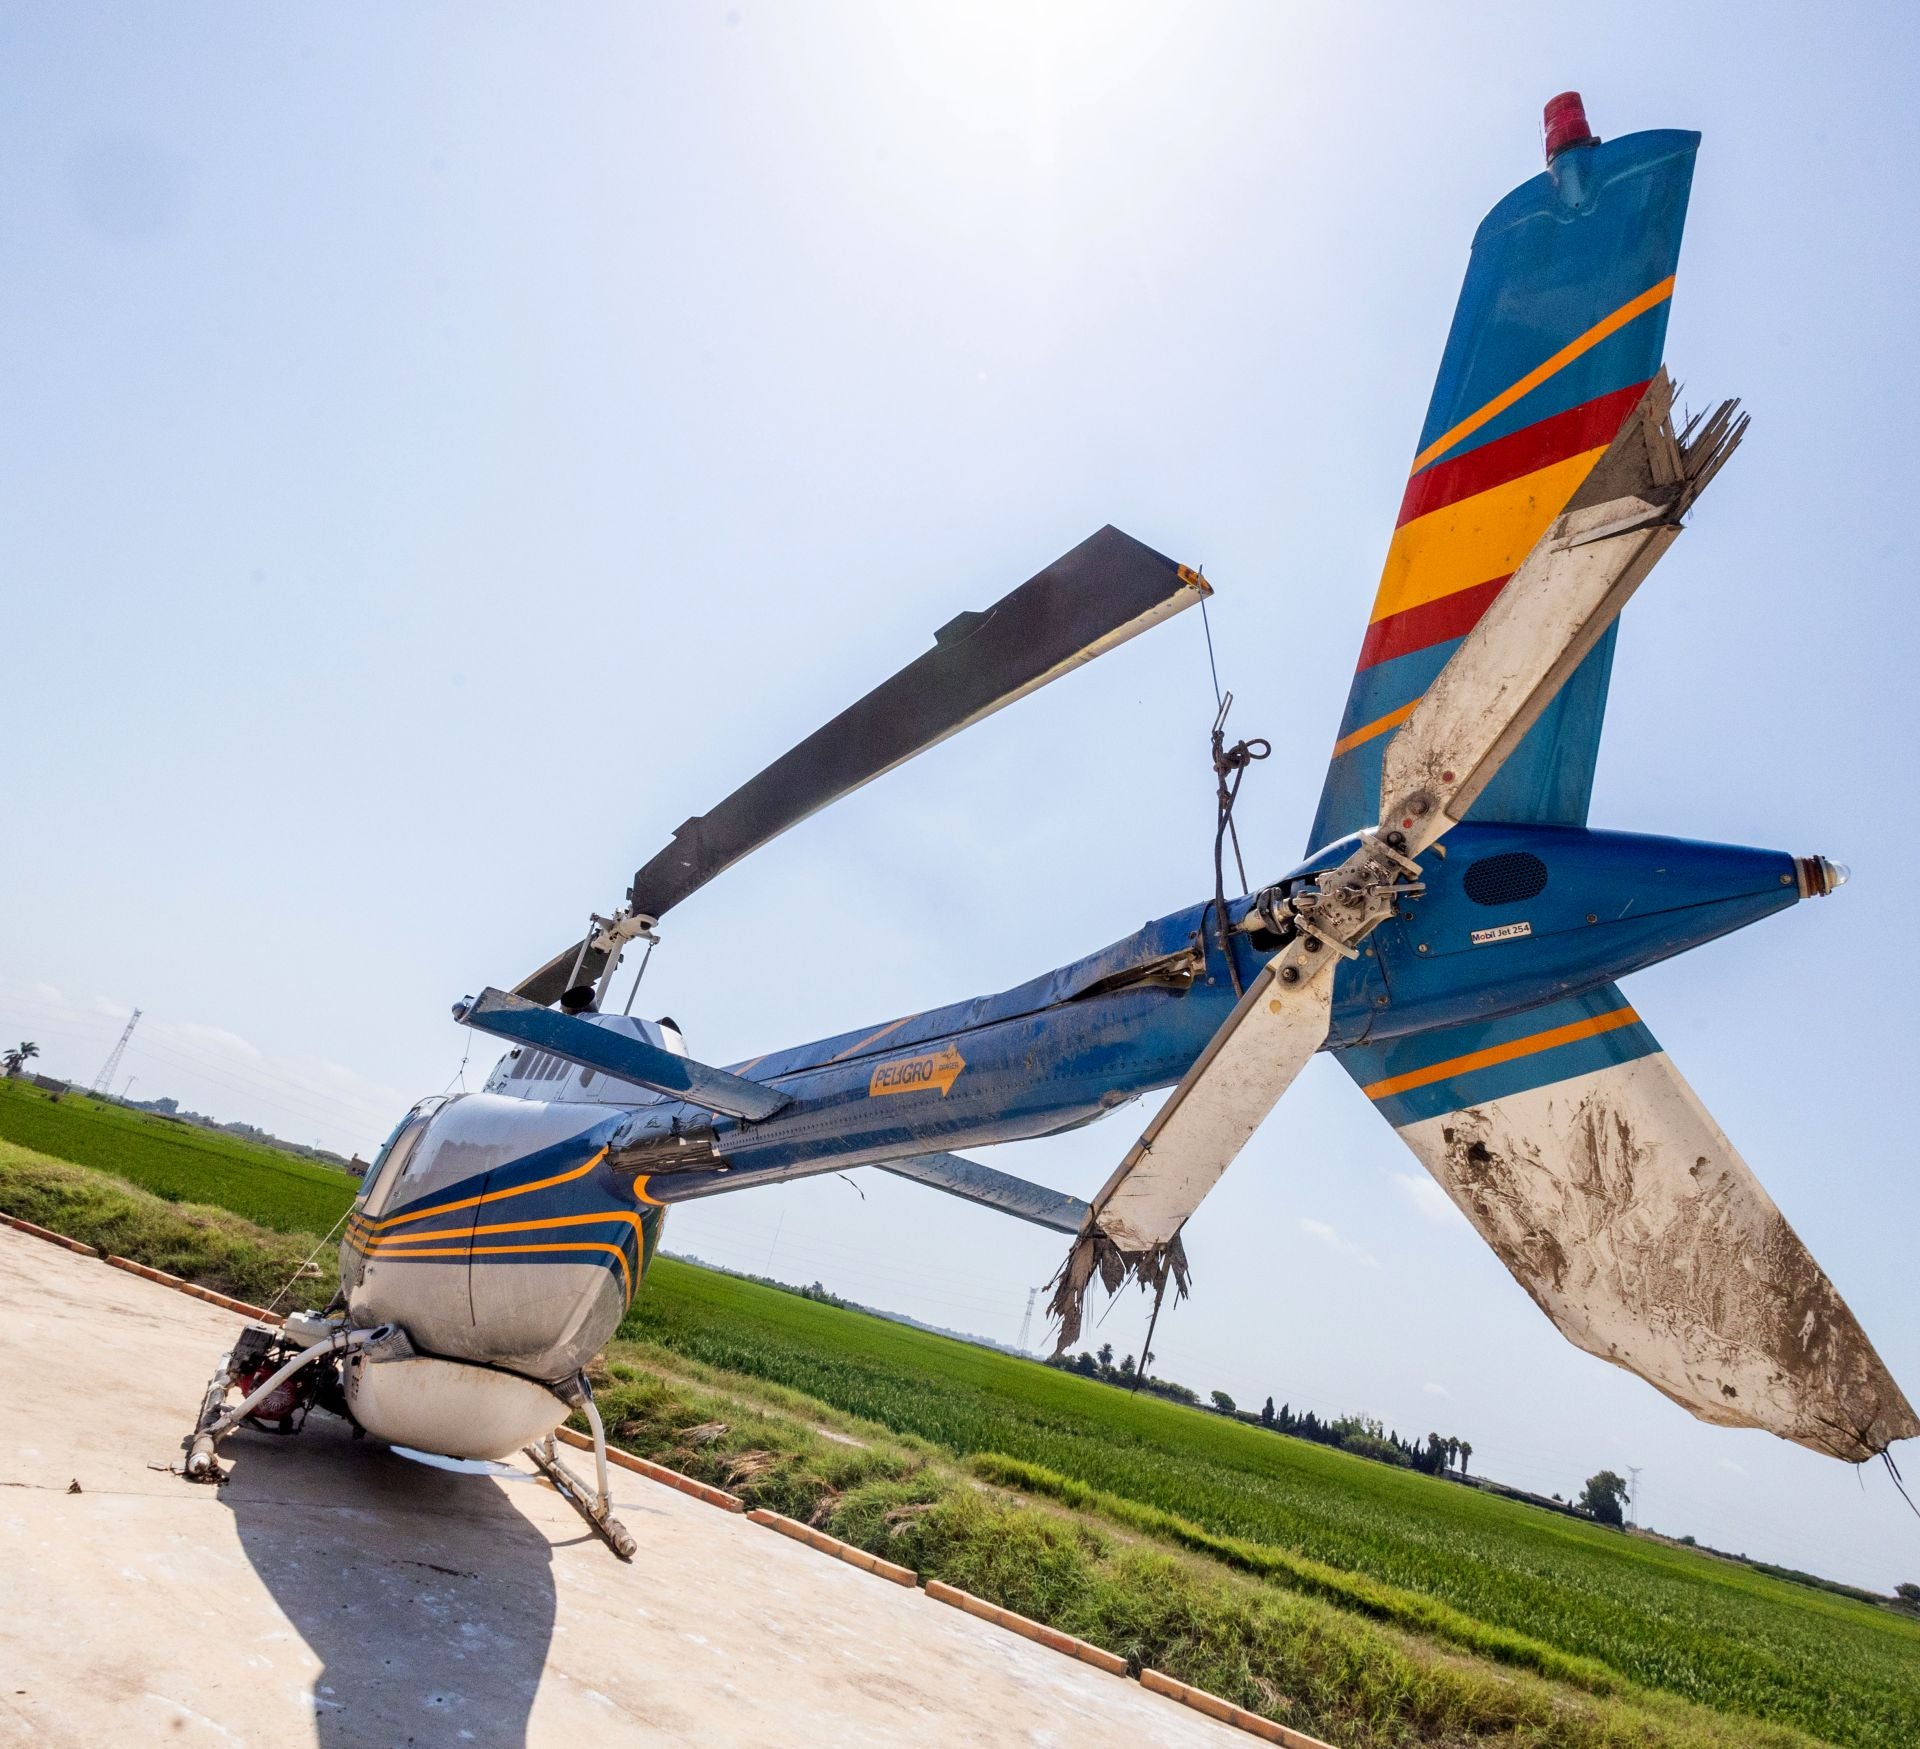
[{"x": 391, "y": 1162}]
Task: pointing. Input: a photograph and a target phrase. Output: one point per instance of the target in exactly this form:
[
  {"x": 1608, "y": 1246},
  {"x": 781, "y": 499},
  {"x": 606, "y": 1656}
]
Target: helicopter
[{"x": 1453, "y": 937}]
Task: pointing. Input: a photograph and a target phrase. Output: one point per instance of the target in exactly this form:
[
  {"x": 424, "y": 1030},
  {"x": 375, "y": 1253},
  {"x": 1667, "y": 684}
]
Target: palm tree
[
  {"x": 1453, "y": 1451},
  {"x": 16, "y": 1059},
  {"x": 1466, "y": 1451}
]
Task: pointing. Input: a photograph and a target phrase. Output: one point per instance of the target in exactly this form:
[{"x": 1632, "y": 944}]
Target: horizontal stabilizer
[
  {"x": 619, "y": 1054},
  {"x": 1000, "y": 1191},
  {"x": 1570, "y": 1141}
]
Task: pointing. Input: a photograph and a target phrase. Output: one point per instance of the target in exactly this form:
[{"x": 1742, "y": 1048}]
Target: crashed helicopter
[{"x": 1454, "y": 938}]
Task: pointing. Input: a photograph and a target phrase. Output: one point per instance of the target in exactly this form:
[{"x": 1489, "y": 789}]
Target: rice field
[
  {"x": 178, "y": 1161},
  {"x": 1693, "y": 1625}
]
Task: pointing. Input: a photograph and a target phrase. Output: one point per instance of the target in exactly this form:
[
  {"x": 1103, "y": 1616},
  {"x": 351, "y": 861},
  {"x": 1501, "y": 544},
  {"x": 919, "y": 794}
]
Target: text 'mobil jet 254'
[{"x": 1454, "y": 936}]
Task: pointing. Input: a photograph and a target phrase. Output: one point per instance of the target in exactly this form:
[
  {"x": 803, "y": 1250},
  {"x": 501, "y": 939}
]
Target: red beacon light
[{"x": 1565, "y": 124}]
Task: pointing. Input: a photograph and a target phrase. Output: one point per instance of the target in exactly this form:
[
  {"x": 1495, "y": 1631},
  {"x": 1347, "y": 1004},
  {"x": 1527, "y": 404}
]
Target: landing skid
[
  {"x": 277, "y": 1372},
  {"x": 596, "y": 1507}
]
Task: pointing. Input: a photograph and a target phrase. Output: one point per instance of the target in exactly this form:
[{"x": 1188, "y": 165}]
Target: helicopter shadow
[{"x": 427, "y": 1596}]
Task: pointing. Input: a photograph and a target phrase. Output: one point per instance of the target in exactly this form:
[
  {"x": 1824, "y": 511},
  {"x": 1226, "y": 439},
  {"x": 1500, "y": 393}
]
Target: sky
[{"x": 446, "y": 447}]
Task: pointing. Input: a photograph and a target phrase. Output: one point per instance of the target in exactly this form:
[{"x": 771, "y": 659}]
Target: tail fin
[{"x": 1561, "y": 324}]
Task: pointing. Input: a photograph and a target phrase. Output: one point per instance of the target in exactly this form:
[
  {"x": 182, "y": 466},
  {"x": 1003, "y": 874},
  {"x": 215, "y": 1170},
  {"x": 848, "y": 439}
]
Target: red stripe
[
  {"x": 1432, "y": 622},
  {"x": 1588, "y": 426}
]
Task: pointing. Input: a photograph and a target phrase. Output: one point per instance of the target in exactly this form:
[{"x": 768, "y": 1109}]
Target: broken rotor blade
[
  {"x": 1133, "y": 1225},
  {"x": 1537, "y": 630}
]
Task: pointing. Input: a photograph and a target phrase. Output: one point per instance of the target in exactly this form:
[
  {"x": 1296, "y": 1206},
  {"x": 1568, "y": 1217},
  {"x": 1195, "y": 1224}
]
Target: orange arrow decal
[{"x": 914, "y": 1074}]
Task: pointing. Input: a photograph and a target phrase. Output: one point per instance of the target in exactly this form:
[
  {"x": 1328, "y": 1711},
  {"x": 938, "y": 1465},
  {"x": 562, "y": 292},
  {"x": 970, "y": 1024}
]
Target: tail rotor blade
[
  {"x": 1571, "y": 587},
  {"x": 1247, "y": 1065}
]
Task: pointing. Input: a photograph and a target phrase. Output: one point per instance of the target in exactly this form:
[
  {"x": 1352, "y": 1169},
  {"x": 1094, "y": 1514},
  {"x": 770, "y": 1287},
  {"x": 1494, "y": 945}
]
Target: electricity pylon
[
  {"x": 1026, "y": 1323},
  {"x": 104, "y": 1080}
]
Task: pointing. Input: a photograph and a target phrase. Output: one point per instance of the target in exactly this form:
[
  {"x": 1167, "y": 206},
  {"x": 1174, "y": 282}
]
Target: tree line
[
  {"x": 1363, "y": 1435},
  {"x": 1366, "y": 1436}
]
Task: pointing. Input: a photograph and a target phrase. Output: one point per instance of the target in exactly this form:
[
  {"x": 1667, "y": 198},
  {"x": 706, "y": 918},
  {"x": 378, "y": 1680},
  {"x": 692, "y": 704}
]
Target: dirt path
[{"x": 336, "y": 1594}]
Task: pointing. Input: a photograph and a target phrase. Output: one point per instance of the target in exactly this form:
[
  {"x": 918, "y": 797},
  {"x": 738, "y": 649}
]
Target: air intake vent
[{"x": 1505, "y": 880}]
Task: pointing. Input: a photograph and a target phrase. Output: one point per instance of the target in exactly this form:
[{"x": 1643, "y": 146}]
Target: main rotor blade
[
  {"x": 552, "y": 981},
  {"x": 1569, "y": 589},
  {"x": 1106, "y": 590}
]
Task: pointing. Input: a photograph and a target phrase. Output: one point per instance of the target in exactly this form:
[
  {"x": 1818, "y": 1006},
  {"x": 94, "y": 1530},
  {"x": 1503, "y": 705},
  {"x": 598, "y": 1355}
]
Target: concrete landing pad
[{"x": 335, "y": 1594}]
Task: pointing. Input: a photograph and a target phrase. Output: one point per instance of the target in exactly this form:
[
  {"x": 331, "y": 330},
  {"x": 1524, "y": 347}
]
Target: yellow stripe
[
  {"x": 1476, "y": 539},
  {"x": 1379, "y": 726},
  {"x": 1507, "y": 1053},
  {"x": 1654, "y": 294},
  {"x": 447, "y": 1208}
]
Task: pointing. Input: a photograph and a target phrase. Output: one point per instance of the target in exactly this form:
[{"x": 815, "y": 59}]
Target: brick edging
[
  {"x": 1025, "y": 1626},
  {"x": 1159, "y": 1682},
  {"x": 52, "y": 1238},
  {"x": 851, "y": 1553},
  {"x": 656, "y": 1472},
  {"x": 147, "y": 1273}
]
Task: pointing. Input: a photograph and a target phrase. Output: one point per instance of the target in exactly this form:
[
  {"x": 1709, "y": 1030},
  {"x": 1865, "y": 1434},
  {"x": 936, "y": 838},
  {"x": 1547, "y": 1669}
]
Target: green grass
[
  {"x": 178, "y": 1161},
  {"x": 1403, "y": 1566},
  {"x": 1296, "y": 1658},
  {"x": 1707, "y": 1630}
]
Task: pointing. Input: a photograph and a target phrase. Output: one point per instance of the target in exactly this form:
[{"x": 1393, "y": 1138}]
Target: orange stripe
[
  {"x": 393, "y": 1242},
  {"x": 1379, "y": 726},
  {"x": 1507, "y": 1053},
  {"x": 626, "y": 1273},
  {"x": 619, "y": 1256},
  {"x": 1654, "y": 294},
  {"x": 873, "y": 1038},
  {"x": 447, "y": 1208}
]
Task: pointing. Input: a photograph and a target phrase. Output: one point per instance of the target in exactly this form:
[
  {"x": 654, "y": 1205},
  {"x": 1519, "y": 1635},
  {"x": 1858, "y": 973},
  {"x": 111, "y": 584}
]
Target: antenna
[
  {"x": 1026, "y": 1323},
  {"x": 104, "y": 1080}
]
